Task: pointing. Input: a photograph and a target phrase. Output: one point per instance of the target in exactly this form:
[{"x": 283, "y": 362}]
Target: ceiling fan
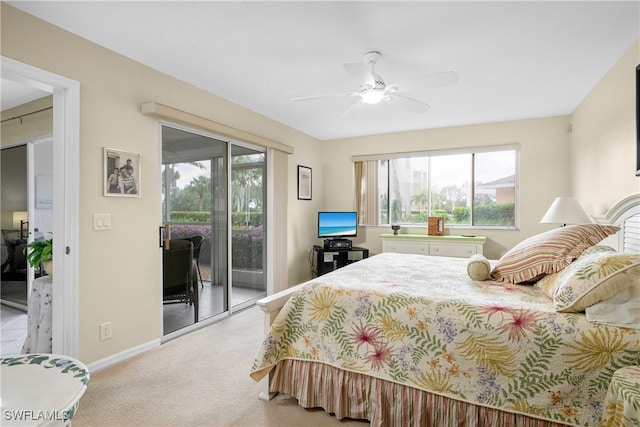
[{"x": 373, "y": 89}]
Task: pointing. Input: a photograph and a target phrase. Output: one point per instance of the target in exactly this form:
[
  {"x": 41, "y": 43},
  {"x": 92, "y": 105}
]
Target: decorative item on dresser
[
  {"x": 435, "y": 226},
  {"x": 405, "y": 339}
]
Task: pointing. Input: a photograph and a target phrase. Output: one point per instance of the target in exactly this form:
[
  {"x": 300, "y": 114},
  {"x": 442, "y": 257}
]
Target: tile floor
[
  {"x": 179, "y": 315},
  {"x": 13, "y": 329}
]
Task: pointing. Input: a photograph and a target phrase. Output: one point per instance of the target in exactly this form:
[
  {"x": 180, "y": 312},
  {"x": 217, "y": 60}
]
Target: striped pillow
[{"x": 548, "y": 252}]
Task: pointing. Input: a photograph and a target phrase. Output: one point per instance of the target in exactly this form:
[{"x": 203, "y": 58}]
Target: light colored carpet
[{"x": 200, "y": 379}]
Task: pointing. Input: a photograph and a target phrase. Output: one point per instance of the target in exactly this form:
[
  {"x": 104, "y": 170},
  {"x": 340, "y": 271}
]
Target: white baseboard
[{"x": 119, "y": 357}]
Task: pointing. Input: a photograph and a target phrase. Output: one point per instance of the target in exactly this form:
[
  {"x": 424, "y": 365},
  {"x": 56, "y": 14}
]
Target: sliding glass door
[
  {"x": 248, "y": 236},
  {"x": 217, "y": 205}
]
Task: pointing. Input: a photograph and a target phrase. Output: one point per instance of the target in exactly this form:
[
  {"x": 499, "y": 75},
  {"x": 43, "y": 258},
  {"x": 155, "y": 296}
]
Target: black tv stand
[{"x": 327, "y": 260}]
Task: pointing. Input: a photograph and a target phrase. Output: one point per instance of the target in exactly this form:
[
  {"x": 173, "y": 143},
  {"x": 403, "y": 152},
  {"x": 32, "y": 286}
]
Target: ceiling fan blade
[
  {"x": 355, "y": 107},
  {"x": 435, "y": 80},
  {"x": 408, "y": 104},
  {"x": 313, "y": 97},
  {"x": 359, "y": 72}
]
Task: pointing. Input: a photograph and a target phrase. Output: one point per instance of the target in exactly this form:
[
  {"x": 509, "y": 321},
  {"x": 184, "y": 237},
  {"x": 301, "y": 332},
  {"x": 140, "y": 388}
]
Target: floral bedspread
[{"x": 421, "y": 321}]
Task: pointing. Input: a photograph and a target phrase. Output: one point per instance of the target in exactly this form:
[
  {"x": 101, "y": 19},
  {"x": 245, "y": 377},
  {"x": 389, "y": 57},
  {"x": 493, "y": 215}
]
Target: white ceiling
[
  {"x": 14, "y": 94},
  {"x": 515, "y": 60}
]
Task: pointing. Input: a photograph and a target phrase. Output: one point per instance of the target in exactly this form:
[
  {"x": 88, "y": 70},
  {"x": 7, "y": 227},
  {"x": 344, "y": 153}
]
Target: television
[{"x": 337, "y": 225}]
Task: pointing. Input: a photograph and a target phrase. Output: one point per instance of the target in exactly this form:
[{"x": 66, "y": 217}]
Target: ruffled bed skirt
[{"x": 384, "y": 403}]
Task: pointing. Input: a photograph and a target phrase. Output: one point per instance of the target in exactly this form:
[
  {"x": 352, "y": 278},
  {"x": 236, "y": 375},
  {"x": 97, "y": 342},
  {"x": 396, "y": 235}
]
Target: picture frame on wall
[
  {"x": 121, "y": 173},
  {"x": 304, "y": 183}
]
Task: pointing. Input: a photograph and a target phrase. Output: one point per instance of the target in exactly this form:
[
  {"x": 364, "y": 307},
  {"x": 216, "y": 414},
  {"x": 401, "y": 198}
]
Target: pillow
[
  {"x": 594, "y": 278},
  {"x": 547, "y": 284},
  {"x": 596, "y": 249},
  {"x": 478, "y": 267},
  {"x": 548, "y": 252},
  {"x": 622, "y": 309}
]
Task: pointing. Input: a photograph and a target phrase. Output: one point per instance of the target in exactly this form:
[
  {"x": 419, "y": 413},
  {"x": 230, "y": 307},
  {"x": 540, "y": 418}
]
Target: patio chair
[
  {"x": 197, "y": 241},
  {"x": 179, "y": 276}
]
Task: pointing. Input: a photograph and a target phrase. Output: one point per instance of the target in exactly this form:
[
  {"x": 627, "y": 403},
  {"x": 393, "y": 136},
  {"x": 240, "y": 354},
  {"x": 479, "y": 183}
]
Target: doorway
[
  {"x": 66, "y": 131},
  {"x": 27, "y": 214},
  {"x": 213, "y": 195},
  {"x": 15, "y": 233}
]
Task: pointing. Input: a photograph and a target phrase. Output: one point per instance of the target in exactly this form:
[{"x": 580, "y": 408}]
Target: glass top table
[{"x": 40, "y": 389}]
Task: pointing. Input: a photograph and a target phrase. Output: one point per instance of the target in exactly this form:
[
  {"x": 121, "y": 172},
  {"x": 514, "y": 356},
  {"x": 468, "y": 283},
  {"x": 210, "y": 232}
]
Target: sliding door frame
[{"x": 267, "y": 190}]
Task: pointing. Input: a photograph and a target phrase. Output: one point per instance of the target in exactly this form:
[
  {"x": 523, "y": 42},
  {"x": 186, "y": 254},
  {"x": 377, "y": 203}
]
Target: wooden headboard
[{"x": 626, "y": 215}]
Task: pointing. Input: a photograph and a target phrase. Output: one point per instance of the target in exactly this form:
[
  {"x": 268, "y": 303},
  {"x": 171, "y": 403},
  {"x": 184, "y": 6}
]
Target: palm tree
[
  {"x": 201, "y": 185},
  {"x": 420, "y": 199}
]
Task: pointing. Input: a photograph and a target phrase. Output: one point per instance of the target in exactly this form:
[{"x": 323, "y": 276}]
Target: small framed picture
[
  {"x": 304, "y": 183},
  {"x": 121, "y": 173}
]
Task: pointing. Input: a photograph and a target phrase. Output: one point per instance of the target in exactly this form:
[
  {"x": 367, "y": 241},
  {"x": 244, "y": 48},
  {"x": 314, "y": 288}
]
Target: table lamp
[{"x": 565, "y": 210}]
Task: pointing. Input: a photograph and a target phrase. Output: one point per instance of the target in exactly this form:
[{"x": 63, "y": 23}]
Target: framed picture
[
  {"x": 304, "y": 183},
  {"x": 121, "y": 173}
]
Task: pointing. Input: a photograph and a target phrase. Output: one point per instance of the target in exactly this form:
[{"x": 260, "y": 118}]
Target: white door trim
[{"x": 66, "y": 156}]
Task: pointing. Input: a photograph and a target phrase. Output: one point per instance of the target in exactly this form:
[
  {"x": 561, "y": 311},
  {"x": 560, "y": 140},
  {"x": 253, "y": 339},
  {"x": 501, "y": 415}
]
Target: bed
[{"x": 402, "y": 339}]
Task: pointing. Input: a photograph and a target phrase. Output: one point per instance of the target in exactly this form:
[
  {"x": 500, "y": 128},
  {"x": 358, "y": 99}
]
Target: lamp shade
[
  {"x": 19, "y": 216},
  {"x": 565, "y": 210}
]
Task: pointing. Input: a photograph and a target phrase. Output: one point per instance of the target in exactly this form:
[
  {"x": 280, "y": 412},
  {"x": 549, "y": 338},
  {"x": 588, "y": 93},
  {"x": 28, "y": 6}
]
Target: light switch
[{"x": 101, "y": 221}]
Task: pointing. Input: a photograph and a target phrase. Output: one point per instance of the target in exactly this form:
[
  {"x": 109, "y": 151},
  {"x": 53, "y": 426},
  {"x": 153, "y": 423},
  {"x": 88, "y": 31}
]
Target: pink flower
[
  {"x": 522, "y": 321},
  {"x": 381, "y": 354},
  {"x": 491, "y": 310},
  {"x": 366, "y": 334}
]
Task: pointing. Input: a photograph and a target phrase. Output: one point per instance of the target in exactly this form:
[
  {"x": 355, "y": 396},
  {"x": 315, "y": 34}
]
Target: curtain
[{"x": 367, "y": 203}]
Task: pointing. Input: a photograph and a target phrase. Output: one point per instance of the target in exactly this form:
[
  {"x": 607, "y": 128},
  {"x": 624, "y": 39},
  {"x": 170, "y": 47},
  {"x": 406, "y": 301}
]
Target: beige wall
[
  {"x": 603, "y": 141},
  {"x": 30, "y": 126},
  {"x": 544, "y": 154},
  {"x": 119, "y": 274}
]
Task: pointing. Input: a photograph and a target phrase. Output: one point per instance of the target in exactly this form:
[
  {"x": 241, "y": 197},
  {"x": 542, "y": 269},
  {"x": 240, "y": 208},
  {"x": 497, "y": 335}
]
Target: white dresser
[{"x": 454, "y": 246}]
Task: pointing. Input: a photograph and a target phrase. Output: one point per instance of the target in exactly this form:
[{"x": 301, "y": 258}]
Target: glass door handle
[{"x": 164, "y": 236}]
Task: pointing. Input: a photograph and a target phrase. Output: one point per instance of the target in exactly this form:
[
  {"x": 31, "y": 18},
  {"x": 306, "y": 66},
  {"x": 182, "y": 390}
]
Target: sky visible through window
[{"x": 489, "y": 167}]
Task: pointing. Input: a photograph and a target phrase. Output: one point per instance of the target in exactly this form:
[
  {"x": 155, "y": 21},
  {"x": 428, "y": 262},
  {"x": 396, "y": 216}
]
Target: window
[{"x": 474, "y": 187}]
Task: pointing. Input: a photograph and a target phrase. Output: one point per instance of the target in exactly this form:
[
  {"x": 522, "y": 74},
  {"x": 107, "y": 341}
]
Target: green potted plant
[{"x": 40, "y": 251}]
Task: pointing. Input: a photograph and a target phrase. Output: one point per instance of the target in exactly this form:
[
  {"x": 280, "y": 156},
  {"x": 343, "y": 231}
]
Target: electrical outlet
[{"x": 105, "y": 331}]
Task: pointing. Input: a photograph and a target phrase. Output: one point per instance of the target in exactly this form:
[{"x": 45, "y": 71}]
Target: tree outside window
[{"x": 467, "y": 188}]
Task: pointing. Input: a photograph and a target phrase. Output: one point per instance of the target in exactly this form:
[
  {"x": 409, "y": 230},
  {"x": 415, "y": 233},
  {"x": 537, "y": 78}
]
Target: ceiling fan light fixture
[{"x": 372, "y": 96}]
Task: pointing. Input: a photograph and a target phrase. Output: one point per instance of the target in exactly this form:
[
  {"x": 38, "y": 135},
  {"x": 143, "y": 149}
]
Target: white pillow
[{"x": 622, "y": 309}]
